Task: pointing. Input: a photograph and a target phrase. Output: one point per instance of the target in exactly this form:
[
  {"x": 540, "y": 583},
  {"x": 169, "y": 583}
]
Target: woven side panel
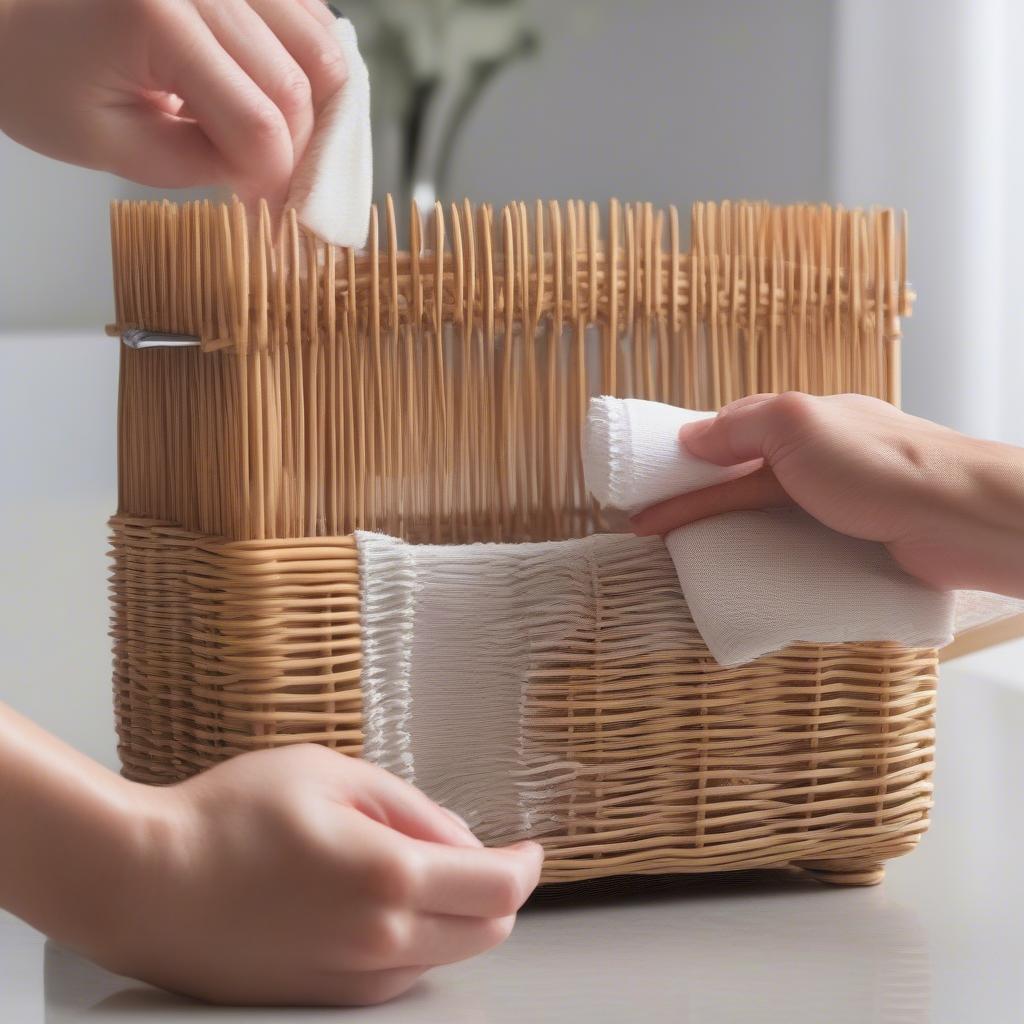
[
  {"x": 439, "y": 393},
  {"x": 818, "y": 754},
  {"x": 221, "y": 647}
]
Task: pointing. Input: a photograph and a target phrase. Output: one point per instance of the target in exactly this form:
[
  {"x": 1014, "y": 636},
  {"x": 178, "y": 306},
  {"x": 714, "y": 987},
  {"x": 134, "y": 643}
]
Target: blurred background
[{"x": 909, "y": 103}]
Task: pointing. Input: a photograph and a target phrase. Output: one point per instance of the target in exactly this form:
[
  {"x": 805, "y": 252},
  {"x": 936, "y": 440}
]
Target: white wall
[
  {"x": 55, "y": 241},
  {"x": 57, "y": 488},
  {"x": 924, "y": 116},
  {"x": 660, "y": 100}
]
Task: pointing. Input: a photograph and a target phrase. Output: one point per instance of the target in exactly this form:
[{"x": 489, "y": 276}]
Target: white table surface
[{"x": 942, "y": 939}]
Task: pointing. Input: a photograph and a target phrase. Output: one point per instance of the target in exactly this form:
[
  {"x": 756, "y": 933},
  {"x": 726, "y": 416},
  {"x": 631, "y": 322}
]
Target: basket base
[{"x": 844, "y": 872}]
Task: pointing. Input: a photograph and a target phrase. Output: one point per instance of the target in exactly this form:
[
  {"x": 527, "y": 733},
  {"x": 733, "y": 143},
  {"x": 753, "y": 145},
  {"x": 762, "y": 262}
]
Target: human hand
[
  {"x": 301, "y": 876},
  {"x": 170, "y": 93},
  {"x": 949, "y": 508}
]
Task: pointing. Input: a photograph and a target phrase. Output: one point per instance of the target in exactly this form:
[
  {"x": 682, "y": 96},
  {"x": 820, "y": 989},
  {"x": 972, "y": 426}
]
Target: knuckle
[
  {"x": 498, "y": 929},
  {"x": 795, "y": 409},
  {"x": 314, "y": 753},
  {"x": 294, "y": 92},
  {"x": 392, "y": 879},
  {"x": 508, "y": 895},
  {"x": 299, "y": 757},
  {"x": 333, "y": 70},
  {"x": 266, "y": 124},
  {"x": 385, "y": 936}
]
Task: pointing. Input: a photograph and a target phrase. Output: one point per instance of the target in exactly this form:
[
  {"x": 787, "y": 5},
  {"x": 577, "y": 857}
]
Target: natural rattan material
[
  {"x": 439, "y": 395},
  {"x": 679, "y": 765}
]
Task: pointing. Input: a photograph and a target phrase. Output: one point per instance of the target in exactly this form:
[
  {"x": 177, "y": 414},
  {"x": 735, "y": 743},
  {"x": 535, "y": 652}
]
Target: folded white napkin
[
  {"x": 756, "y": 581},
  {"x": 632, "y": 458},
  {"x": 332, "y": 188}
]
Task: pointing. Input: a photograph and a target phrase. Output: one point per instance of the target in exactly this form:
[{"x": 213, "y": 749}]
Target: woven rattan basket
[{"x": 437, "y": 394}]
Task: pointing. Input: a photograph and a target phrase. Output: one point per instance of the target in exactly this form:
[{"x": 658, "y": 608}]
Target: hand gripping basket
[{"x": 437, "y": 395}]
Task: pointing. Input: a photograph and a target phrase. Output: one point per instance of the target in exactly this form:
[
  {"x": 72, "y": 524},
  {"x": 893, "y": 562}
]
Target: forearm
[
  {"x": 983, "y": 518},
  {"x": 67, "y": 824}
]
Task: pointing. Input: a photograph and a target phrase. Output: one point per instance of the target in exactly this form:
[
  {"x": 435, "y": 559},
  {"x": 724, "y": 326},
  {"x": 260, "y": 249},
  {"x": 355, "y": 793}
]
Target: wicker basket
[{"x": 437, "y": 394}]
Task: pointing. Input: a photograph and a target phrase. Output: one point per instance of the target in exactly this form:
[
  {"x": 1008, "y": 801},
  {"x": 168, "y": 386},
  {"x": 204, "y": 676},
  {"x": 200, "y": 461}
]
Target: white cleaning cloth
[
  {"x": 756, "y": 581},
  {"x": 453, "y": 636},
  {"x": 332, "y": 188},
  {"x": 976, "y": 608},
  {"x": 632, "y": 457}
]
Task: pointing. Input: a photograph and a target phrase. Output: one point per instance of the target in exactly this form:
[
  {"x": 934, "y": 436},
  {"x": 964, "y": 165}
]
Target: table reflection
[{"x": 754, "y": 946}]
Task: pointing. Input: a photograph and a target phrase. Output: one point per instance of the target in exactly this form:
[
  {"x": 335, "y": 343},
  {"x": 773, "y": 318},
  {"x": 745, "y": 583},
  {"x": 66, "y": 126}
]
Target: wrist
[
  {"x": 135, "y": 847},
  {"x": 968, "y": 528},
  {"x": 77, "y": 838},
  {"x": 64, "y": 867},
  {"x": 992, "y": 518}
]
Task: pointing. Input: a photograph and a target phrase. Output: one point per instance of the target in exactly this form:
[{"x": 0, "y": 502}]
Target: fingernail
[{"x": 528, "y": 844}]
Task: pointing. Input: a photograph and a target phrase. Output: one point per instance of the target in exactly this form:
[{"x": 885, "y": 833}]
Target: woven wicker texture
[
  {"x": 438, "y": 395},
  {"x": 677, "y": 763}
]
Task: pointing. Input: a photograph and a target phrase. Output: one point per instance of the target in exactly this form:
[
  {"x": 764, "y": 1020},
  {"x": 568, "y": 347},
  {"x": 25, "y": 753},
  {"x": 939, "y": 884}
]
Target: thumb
[
  {"x": 756, "y": 490},
  {"x": 748, "y": 429},
  {"x": 406, "y": 809}
]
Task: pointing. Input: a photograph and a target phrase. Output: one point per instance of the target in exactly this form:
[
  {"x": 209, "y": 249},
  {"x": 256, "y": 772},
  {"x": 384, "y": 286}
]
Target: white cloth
[
  {"x": 632, "y": 457},
  {"x": 976, "y": 608},
  {"x": 454, "y": 634},
  {"x": 756, "y": 582},
  {"x": 332, "y": 188}
]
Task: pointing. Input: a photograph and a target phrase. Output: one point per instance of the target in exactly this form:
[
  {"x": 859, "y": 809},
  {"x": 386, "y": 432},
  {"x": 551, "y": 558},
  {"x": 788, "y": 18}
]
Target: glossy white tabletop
[{"x": 942, "y": 939}]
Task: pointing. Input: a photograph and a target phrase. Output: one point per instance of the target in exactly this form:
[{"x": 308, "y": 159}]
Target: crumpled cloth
[
  {"x": 759, "y": 581},
  {"x": 332, "y": 188}
]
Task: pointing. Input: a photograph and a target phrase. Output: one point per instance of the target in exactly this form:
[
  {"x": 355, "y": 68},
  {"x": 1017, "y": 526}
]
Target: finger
[
  {"x": 393, "y": 802},
  {"x": 240, "y": 120},
  {"x": 757, "y": 490},
  {"x": 311, "y": 43},
  {"x": 262, "y": 56},
  {"x": 742, "y": 403},
  {"x": 479, "y": 883},
  {"x": 690, "y": 433},
  {"x": 153, "y": 148},
  {"x": 436, "y": 939},
  {"x": 319, "y": 10},
  {"x": 743, "y": 432}
]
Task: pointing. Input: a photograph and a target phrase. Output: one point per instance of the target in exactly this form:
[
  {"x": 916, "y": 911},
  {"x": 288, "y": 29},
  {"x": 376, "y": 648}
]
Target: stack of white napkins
[
  {"x": 332, "y": 188},
  {"x": 756, "y": 582}
]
